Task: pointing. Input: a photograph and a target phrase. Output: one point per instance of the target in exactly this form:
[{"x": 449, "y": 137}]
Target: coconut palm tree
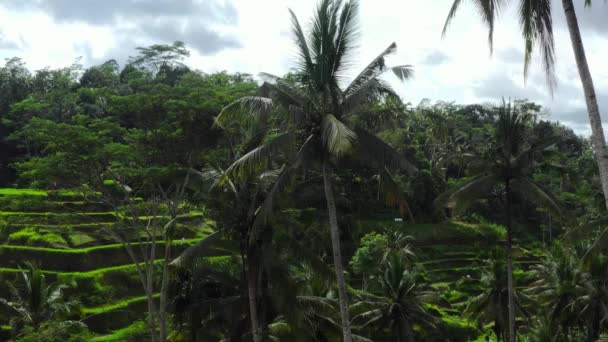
[
  {"x": 34, "y": 300},
  {"x": 535, "y": 18},
  {"x": 492, "y": 304},
  {"x": 236, "y": 202},
  {"x": 319, "y": 114},
  {"x": 563, "y": 286},
  {"x": 395, "y": 304},
  {"x": 506, "y": 166}
]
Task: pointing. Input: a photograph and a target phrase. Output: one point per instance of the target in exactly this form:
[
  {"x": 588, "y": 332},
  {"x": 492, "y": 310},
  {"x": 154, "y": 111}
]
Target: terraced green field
[{"x": 66, "y": 236}]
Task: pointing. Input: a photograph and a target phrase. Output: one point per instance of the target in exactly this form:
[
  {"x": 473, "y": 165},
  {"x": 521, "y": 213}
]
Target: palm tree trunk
[
  {"x": 335, "y": 243},
  {"x": 253, "y": 298},
  {"x": 164, "y": 288},
  {"x": 510, "y": 286},
  {"x": 597, "y": 132}
]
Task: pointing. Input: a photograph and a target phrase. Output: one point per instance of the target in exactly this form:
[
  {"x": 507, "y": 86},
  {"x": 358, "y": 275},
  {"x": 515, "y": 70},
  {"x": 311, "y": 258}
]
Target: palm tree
[
  {"x": 237, "y": 201},
  {"x": 396, "y": 304},
  {"x": 563, "y": 287},
  {"x": 34, "y": 300},
  {"x": 536, "y": 23},
  {"x": 492, "y": 304},
  {"x": 319, "y": 111},
  {"x": 507, "y": 165}
]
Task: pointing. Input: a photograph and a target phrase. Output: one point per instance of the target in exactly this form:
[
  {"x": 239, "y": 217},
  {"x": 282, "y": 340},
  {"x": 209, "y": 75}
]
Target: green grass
[
  {"x": 123, "y": 304},
  {"x": 136, "y": 328},
  {"x": 22, "y": 192},
  {"x": 88, "y": 249},
  {"x": 38, "y": 214},
  {"x": 439, "y": 233},
  {"x": 86, "y": 274}
]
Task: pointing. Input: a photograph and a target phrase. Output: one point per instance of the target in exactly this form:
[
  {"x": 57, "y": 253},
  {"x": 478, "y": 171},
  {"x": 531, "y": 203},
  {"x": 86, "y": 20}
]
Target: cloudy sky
[{"x": 252, "y": 36}]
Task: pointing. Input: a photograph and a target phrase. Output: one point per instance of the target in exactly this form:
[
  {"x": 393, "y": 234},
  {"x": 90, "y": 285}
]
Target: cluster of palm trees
[{"x": 304, "y": 124}]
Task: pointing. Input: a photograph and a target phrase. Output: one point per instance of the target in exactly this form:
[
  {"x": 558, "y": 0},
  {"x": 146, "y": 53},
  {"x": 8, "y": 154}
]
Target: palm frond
[
  {"x": 393, "y": 195},
  {"x": 451, "y": 15},
  {"x": 536, "y": 24},
  {"x": 372, "y": 149},
  {"x": 534, "y": 193},
  {"x": 305, "y": 60},
  {"x": 347, "y": 34},
  {"x": 246, "y": 110},
  {"x": 369, "y": 94},
  {"x": 460, "y": 197},
  {"x": 371, "y": 71},
  {"x": 336, "y": 136},
  {"x": 264, "y": 213},
  {"x": 403, "y": 72},
  {"x": 286, "y": 93},
  {"x": 211, "y": 245},
  {"x": 260, "y": 156}
]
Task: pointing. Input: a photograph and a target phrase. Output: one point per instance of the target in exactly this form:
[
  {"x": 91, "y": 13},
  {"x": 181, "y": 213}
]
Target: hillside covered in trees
[{"x": 154, "y": 202}]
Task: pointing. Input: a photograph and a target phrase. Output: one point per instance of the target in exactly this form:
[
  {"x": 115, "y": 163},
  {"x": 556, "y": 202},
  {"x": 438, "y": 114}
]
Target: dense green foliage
[{"x": 221, "y": 184}]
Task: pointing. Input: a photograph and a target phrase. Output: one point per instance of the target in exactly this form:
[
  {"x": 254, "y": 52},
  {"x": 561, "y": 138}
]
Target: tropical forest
[{"x": 148, "y": 199}]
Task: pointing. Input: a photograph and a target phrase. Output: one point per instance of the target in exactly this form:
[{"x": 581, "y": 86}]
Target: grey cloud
[
  {"x": 499, "y": 85},
  {"x": 589, "y": 18},
  {"x": 97, "y": 12},
  {"x": 577, "y": 115},
  {"x": 511, "y": 55},
  {"x": 561, "y": 105},
  {"x": 154, "y": 21},
  {"x": 193, "y": 33},
  {"x": 7, "y": 44},
  {"x": 435, "y": 57}
]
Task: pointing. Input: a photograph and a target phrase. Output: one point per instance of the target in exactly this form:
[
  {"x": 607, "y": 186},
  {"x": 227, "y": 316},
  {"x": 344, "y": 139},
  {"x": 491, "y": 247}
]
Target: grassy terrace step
[
  {"x": 128, "y": 333},
  {"x": 84, "y": 259},
  {"x": 99, "y": 286},
  {"x": 20, "y": 217},
  {"x": 113, "y": 316},
  {"x": 83, "y": 235},
  {"x": 45, "y": 205},
  {"x": 52, "y": 194}
]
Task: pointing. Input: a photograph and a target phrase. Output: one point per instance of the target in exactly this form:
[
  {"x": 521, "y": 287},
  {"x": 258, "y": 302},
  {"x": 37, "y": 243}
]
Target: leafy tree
[
  {"x": 70, "y": 154},
  {"x": 158, "y": 58},
  {"x": 318, "y": 109},
  {"x": 507, "y": 165}
]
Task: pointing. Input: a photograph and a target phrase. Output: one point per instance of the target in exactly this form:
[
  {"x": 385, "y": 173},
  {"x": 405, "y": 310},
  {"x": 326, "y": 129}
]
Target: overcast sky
[{"x": 253, "y": 36}]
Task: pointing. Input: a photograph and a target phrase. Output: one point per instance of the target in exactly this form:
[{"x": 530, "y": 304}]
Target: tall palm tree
[
  {"x": 535, "y": 18},
  {"x": 236, "y": 203},
  {"x": 492, "y": 304},
  {"x": 319, "y": 111},
  {"x": 34, "y": 300},
  {"x": 507, "y": 165},
  {"x": 396, "y": 304}
]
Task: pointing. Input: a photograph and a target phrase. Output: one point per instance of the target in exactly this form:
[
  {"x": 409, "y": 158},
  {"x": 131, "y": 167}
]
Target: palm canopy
[
  {"x": 536, "y": 24},
  {"x": 34, "y": 300},
  {"x": 491, "y": 306},
  {"x": 396, "y": 303},
  {"x": 314, "y": 111},
  {"x": 511, "y": 158}
]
